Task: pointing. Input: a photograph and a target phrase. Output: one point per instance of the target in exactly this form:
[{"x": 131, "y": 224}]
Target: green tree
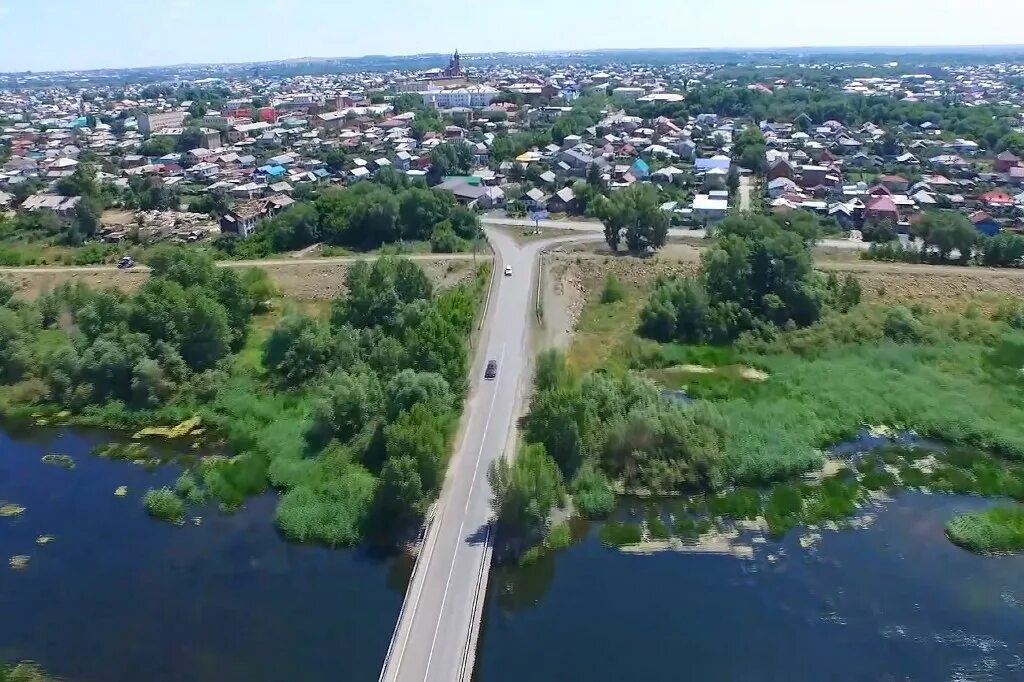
[
  {"x": 346, "y": 404},
  {"x": 526, "y": 489},
  {"x": 636, "y": 213},
  {"x": 298, "y": 349}
]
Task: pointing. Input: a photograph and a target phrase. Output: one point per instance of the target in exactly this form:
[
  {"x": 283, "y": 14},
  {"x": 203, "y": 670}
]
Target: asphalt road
[
  {"x": 594, "y": 226},
  {"x": 435, "y": 634}
]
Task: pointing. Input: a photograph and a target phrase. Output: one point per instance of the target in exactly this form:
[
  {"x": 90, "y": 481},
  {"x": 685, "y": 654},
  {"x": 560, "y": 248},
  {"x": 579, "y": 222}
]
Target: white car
[{"x": 508, "y": 270}]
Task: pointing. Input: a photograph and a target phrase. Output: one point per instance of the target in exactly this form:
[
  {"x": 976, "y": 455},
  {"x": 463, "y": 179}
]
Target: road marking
[{"x": 465, "y": 509}]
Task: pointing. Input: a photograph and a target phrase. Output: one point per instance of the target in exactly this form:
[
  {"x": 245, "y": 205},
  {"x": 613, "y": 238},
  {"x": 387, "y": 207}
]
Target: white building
[
  {"x": 629, "y": 92},
  {"x": 473, "y": 97}
]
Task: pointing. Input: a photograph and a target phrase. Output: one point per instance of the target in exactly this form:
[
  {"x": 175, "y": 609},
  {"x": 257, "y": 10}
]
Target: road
[
  {"x": 594, "y": 226},
  {"x": 746, "y": 187},
  {"x": 85, "y": 269},
  {"x": 435, "y": 638}
]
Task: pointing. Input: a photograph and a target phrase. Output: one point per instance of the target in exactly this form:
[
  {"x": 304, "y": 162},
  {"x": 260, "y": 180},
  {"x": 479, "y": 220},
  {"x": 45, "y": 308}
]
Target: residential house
[
  {"x": 984, "y": 223},
  {"x": 881, "y": 208},
  {"x": 894, "y": 183},
  {"x": 62, "y": 206},
  {"x": 535, "y": 199},
  {"x": 1005, "y": 161},
  {"x": 707, "y": 209},
  {"x": 563, "y": 201}
]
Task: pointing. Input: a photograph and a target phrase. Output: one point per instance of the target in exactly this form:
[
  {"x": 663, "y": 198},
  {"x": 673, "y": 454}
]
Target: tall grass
[{"x": 1000, "y": 529}]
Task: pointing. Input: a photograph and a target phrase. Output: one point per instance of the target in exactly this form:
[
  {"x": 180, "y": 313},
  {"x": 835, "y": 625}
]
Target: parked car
[
  {"x": 492, "y": 369},
  {"x": 126, "y": 262}
]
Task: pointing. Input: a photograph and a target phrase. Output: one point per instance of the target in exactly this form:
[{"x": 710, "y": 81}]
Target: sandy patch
[
  {"x": 751, "y": 374},
  {"x": 714, "y": 542}
]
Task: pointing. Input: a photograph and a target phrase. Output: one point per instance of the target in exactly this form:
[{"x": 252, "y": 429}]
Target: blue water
[
  {"x": 121, "y": 597},
  {"x": 893, "y": 601}
]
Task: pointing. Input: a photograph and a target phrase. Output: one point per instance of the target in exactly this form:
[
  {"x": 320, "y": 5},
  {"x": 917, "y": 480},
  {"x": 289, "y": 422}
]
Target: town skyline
[{"x": 274, "y": 30}]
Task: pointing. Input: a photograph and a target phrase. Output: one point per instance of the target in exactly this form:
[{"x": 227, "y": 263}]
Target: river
[
  {"x": 118, "y": 596},
  {"x": 892, "y": 601}
]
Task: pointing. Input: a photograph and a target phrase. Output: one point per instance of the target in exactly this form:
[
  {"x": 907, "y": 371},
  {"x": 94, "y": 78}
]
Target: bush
[
  {"x": 590, "y": 493},
  {"x": 1000, "y": 529},
  {"x": 164, "y": 504},
  {"x": 613, "y": 291}
]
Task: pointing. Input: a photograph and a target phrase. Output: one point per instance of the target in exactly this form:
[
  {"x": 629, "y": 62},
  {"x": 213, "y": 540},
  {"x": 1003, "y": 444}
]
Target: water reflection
[
  {"x": 119, "y": 596},
  {"x": 895, "y": 600}
]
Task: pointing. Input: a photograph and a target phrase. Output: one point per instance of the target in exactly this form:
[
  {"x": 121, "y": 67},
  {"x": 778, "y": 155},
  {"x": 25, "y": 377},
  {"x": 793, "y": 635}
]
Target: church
[{"x": 454, "y": 69}]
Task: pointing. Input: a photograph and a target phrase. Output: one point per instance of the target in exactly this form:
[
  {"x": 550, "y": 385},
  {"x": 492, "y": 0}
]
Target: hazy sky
[{"x": 78, "y": 34}]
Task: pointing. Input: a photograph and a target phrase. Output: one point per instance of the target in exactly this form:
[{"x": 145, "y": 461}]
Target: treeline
[
  {"x": 349, "y": 417},
  {"x": 79, "y": 348},
  {"x": 990, "y": 125},
  {"x": 385, "y": 376},
  {"x": 947, "y": 237},
  {"x": 364, "y": 216},
  {"x": 757, "y": 279}
]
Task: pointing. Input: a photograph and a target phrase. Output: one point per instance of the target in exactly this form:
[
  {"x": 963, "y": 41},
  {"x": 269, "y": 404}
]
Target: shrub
[
  {"x": 164, "y": 504},
  {"x": 590, "y": 493},
  {"x": 1000, "y": 529},
  {"x": 613, "y": 291}
]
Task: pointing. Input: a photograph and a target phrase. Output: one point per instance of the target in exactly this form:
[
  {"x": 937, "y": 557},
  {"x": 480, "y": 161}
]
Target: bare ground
[{"x": 303, "y": 280}]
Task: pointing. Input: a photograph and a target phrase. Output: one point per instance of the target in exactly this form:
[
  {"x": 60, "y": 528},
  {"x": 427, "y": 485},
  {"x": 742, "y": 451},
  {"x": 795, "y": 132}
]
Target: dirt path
[{"x": 300, "y": 278}]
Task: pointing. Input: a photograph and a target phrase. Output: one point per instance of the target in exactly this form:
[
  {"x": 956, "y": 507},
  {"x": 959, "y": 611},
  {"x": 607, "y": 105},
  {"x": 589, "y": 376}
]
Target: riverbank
[
  {"x": 115, "y": 595},
  {"x": 345, "y": 409}
]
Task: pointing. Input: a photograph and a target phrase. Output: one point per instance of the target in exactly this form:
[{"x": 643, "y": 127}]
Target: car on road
[
  {"x": 492, "y": 369},
  {"x": 508, "y": 270},
  {"x": 126, "y": 262}
]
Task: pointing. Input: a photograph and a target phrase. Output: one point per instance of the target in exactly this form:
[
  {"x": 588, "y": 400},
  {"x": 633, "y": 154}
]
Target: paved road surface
[
  {"x": 593, "y": 226},
  {"x": 434, "y": 639},
  {"x": 84, "y": 269}
]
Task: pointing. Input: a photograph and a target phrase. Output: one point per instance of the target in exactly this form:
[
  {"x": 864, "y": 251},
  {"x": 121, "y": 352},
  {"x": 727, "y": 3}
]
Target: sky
[{"x": 41, "y": 35}]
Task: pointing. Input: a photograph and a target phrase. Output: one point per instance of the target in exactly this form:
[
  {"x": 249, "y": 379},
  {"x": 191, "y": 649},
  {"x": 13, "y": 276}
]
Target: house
[
  {"x": 708, "y": 209},
  {"x": 716, "y": 179},
  {"x": 719, "y": 161},
  {"x": 245, "y": 216},
  {"x": 62, "y": 206},
  {"x": 1005, "y": 161},
  {"x": 895, "y": 183},
  {"x": 563, "y": 201},
  {"x": 781, "y": 168},
  {"x": 881, "y": 208},
  {"x": 640, "y": 169},
  {"x": 984, "y": 223},
  {"x": 813, "y": 176},
  {"x": 780, "y": 186},
  {"x": 535, "y": 199},
  {"x": 996, "y": 199}
]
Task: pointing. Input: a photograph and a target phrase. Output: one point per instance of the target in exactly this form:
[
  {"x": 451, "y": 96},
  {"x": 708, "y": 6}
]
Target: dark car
[{"x": 492, "y": 369}]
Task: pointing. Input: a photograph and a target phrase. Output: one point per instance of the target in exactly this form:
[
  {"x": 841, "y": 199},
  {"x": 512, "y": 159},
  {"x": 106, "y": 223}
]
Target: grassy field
[{"x": 954, "y": 376}]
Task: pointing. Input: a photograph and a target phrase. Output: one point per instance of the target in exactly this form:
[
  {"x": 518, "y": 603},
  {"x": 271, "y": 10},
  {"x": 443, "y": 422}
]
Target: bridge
[{"x": 436, "y": 635}]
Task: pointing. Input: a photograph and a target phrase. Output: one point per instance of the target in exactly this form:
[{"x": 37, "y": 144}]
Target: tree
[
  {"x": 636, "y": 212},
  {"x": 421, "y": 210},
  {"x": 946, "y": 231},
  {"x": 758, "y": 277},
  {"x": 409, "y": 388},
  {"x": 419, "y": 434},
  {"x": 347, "y": 403},
  {"x": 1004, "y": 250},
  {"x": 526, "y": 489},
  {"x": 450, "y": 158},
  {"x": 378, "y": 291},
  {"x": 298, "y": 349}
]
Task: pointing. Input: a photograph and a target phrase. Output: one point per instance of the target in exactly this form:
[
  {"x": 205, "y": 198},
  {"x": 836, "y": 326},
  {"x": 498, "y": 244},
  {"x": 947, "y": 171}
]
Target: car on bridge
[
  {"x": 492, "y": 369},
  {"x": 508, "y": 270}
]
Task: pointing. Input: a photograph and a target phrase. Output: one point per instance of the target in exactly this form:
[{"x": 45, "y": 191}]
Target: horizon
[
  {"x": 261, "y": 31},
  {"x": 877, "y": 50}
]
